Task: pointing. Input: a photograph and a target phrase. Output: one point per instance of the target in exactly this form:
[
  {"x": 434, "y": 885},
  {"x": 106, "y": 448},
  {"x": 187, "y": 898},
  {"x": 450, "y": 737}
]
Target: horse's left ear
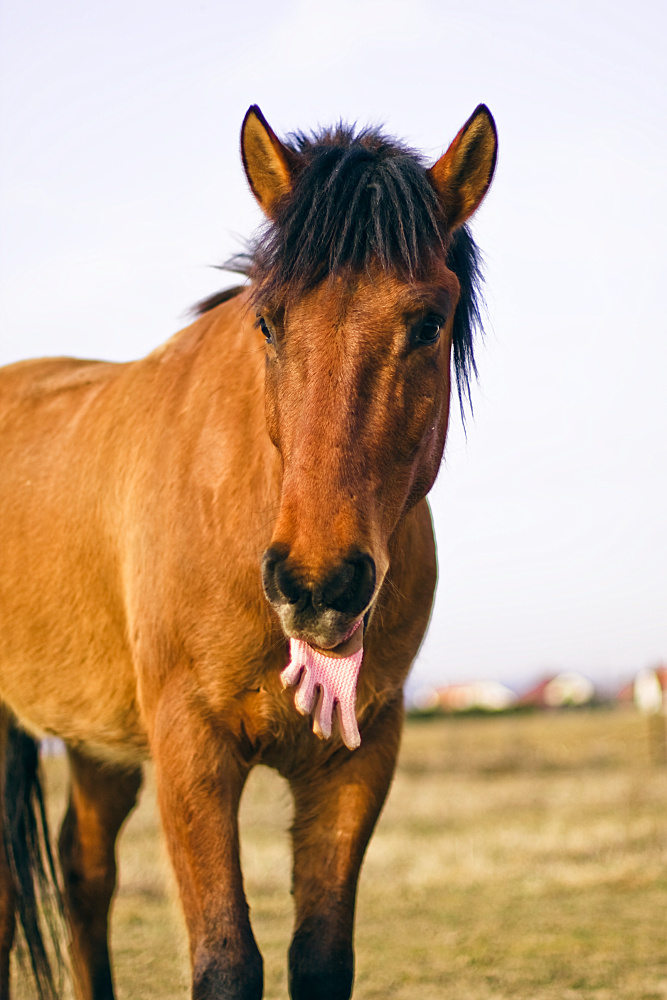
[
  {"x": 269, "y": 165},
  {"x": 463, "y": 174}
]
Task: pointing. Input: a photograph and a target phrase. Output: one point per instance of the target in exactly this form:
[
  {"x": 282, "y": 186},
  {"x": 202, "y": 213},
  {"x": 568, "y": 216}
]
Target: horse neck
[{"x": 197, "y": 405}]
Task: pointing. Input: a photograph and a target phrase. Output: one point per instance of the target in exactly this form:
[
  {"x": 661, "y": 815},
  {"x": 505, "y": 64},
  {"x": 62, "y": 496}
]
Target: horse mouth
[
  {"x": 327, "y": 630},
  {"x": 351, "y": 642}
]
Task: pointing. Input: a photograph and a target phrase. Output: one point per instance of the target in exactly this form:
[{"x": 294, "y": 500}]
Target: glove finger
[
  {"x": 322, "y": 716},
  {"x": 347, "y": 724},
  {"x": 304, "y": 699},
  {"x": 290, "y": 675}
]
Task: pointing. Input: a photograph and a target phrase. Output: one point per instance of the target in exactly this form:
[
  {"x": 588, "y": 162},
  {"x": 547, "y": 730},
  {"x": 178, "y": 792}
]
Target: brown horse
[{"x": 171, "y": 526}]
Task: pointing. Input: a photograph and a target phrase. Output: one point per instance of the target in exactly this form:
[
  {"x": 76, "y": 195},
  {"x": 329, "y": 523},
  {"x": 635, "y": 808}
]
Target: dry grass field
[{"x": 521, "y": 856}]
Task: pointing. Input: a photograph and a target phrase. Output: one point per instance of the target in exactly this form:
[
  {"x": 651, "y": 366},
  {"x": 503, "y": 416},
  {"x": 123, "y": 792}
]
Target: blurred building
[
  {"x": 650, "y": 690},
  {"x": 485, "y": 696},
  {"x": 562, "y": 690}
]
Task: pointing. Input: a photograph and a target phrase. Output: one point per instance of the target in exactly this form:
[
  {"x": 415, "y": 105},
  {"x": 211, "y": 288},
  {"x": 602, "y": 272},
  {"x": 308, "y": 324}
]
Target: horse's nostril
[
  {"x": 280, "y": 582},
  {"x": 350, "y": 587},
  {"x": 286, "y": 584},
  {"x": 334, "y": 586},
  {"x": 272, "y": 564}
]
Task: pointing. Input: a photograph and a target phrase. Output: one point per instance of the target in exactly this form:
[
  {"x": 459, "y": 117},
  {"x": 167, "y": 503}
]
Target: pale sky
[{"x": 120, "y": 183}]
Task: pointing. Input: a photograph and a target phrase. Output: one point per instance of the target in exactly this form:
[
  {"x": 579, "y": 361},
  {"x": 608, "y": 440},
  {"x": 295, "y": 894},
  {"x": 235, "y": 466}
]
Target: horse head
[{"x": 357, "y": 296}]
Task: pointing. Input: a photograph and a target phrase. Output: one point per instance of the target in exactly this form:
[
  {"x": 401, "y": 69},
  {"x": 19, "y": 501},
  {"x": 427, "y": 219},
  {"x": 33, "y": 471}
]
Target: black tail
[{"x": 30, "y": 858}]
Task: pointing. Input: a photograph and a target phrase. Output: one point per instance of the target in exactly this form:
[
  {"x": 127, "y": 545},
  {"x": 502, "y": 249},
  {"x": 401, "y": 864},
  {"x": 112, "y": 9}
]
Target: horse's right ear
[{"x": 269, "y": 165}]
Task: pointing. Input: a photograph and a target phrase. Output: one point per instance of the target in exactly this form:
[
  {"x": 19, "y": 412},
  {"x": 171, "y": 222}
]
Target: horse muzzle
[{"x": 318, "y": 608}]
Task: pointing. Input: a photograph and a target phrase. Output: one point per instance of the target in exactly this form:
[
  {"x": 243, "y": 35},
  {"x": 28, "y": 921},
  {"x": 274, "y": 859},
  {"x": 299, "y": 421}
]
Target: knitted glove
[{"x": 336, "y": 679}]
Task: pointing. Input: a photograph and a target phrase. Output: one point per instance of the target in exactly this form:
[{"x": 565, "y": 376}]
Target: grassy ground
[{"x": 523, "y": 856}]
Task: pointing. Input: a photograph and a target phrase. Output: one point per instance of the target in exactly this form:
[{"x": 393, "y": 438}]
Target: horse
[{"x": 188, "y": 536}]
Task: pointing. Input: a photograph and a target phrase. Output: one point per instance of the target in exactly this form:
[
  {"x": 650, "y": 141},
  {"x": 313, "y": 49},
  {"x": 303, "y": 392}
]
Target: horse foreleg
[
  {"x": 101, "y": 797},
  {"x": 336, "y": 808},
  {"x": 200, "y": 778}
]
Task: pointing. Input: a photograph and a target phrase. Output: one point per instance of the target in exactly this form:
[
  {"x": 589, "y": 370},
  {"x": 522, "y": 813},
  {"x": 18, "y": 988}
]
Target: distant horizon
[{"x": 605, "y": 684}]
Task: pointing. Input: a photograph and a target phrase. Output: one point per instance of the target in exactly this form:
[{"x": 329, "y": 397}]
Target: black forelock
[
  {"x": 360, "y": 198},
  {"x": 363, "y": 199}
]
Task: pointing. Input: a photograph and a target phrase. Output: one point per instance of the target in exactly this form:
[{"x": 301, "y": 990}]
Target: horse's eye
[
  {"x": 427, "y": 330},
  {"x": 268, "y": 336}
]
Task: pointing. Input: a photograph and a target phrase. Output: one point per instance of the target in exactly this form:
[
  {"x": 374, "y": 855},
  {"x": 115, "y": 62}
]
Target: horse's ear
[
  {"x": 463, "y": 174},
  {"x": 269, "y": 165}
]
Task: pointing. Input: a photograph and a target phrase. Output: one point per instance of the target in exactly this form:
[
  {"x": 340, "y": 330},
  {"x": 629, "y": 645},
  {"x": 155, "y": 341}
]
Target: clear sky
[{"x": 120, "y": 183}]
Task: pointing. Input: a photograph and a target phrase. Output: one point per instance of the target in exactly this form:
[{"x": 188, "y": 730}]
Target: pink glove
[{"x": 336, "y": 678}]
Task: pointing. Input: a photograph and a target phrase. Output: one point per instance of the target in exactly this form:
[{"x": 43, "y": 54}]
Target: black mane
[{"x": 362, "y": 198}]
